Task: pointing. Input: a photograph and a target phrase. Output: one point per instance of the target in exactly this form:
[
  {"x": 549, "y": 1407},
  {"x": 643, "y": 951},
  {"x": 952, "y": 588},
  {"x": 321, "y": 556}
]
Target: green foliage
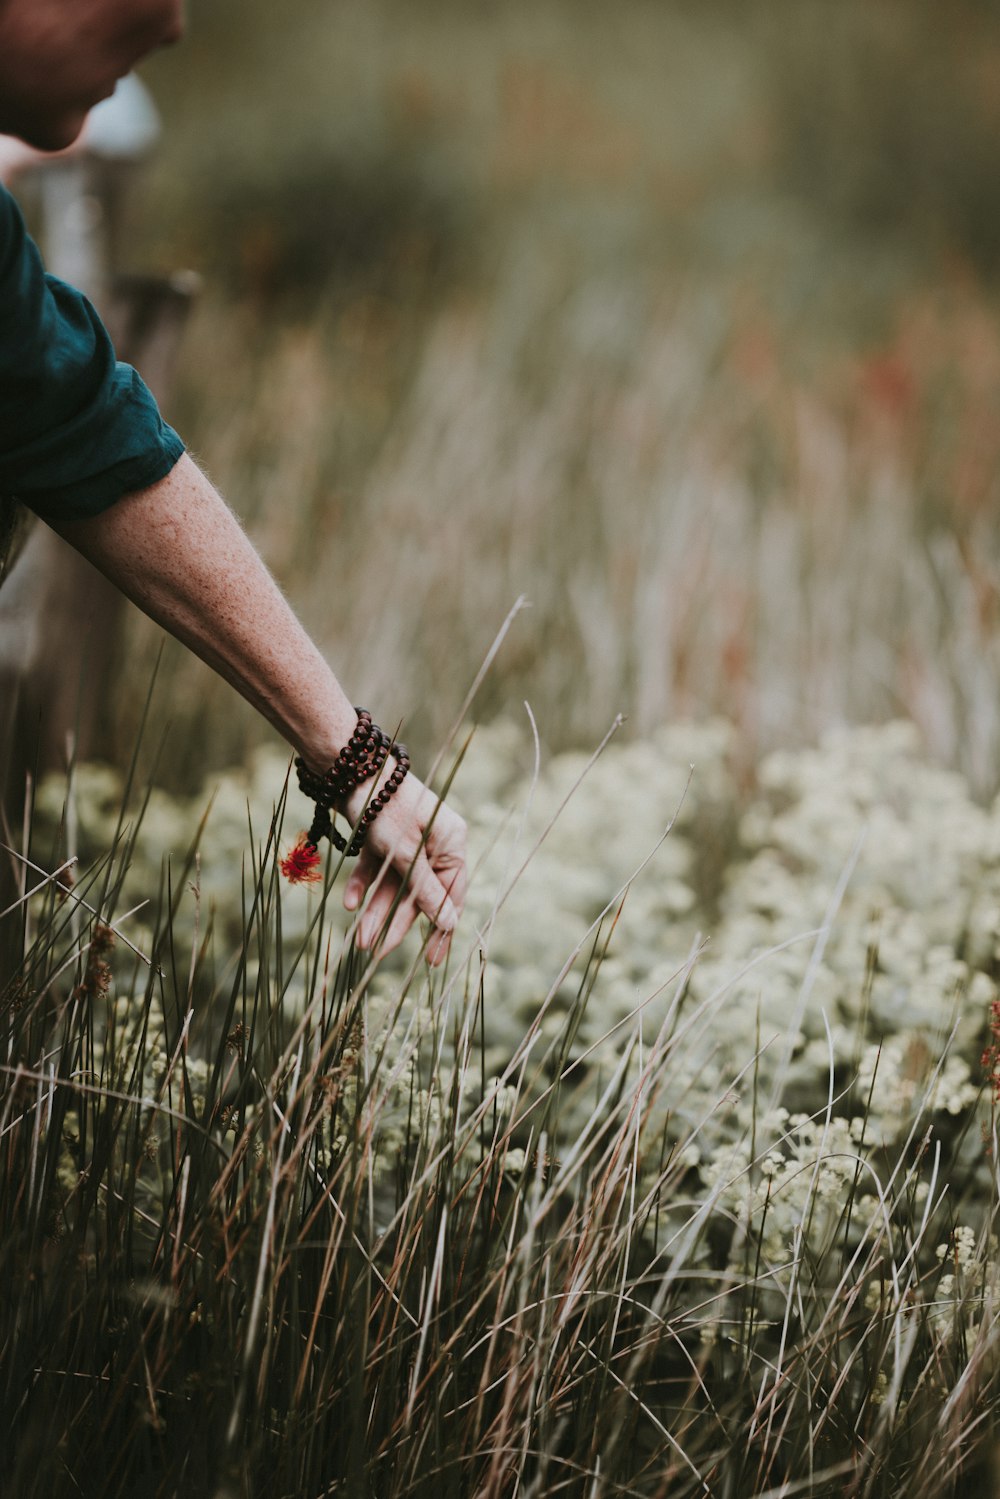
[
  {"x": 885, "y": 118},
  {"x": 659, "y": 314},
  {"x": 660, "y": 115}
]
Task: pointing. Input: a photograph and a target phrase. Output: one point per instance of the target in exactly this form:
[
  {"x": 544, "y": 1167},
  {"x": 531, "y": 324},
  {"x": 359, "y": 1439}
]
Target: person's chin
[{"x": 54, "y": 132}]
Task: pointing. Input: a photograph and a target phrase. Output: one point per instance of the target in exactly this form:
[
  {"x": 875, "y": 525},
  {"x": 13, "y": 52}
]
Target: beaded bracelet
[{"x": 361, "y": 759}]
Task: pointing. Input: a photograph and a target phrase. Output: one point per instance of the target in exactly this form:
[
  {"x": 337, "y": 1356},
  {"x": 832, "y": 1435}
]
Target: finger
[
  {"x": 446, "y": 851},
  {"x": 430, "y": 896},
  {"x": 438, "y": 947},
  {"x": 361, "y": 877},
  {"x": 387, "y": 926},
  {"x": 438, "y": 943},
  {"x": 380, "y": 903},
  {"x": 451, "y": 871},
  {"x": 403, "y": 918}
]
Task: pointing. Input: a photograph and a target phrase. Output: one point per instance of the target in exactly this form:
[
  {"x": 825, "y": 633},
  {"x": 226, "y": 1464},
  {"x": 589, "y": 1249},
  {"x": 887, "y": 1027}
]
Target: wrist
[
  {"x": 353, "y": 804},
  {"x": 368, "y": 770},
  {"x": 320, "y": 744}
]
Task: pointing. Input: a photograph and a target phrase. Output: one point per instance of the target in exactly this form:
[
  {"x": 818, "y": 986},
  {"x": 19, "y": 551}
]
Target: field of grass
[
  {"x": 602, "y": 315},
  {"x": 681, "y": 1179},
  {"x": 679, "y": 323}
]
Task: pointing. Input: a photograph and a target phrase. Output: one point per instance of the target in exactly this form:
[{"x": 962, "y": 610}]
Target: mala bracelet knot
[{"x": 361, "y": 759}]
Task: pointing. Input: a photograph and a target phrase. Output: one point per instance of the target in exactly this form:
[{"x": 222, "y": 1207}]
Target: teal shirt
[{"x": 78, "y": 429}]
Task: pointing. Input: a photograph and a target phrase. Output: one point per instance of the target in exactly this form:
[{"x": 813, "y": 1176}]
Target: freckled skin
[{"x": 178, "y": 551}]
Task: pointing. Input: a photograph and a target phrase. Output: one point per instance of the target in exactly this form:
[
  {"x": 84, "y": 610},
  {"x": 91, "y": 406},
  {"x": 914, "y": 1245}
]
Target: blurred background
[{"x": 677, "y": 317}]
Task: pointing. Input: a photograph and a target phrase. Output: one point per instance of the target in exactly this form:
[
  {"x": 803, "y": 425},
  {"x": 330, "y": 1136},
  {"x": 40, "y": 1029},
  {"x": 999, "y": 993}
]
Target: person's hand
[{"x": 401, "y": 858}]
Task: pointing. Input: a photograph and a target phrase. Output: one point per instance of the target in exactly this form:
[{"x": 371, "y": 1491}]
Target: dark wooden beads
[{"x": 361, "y": 759}]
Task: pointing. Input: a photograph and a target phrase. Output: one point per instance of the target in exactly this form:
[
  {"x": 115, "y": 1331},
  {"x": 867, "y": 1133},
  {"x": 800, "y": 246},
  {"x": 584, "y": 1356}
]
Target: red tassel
[{"x": 302, "y": 866}]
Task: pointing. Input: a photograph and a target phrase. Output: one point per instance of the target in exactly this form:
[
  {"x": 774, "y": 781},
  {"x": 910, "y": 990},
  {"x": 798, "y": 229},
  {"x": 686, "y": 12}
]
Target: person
[{"x": 83, "y": 445}]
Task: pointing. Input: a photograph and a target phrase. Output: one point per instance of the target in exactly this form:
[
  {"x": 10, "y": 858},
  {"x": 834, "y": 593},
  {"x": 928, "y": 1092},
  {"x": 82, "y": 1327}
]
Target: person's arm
[
  {"x": 78, "y": 429},
  {"x": 180, "y": 554}
]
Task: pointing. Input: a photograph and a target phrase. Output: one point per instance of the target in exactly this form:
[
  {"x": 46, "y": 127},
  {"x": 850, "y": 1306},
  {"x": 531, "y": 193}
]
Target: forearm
[{"x": 178, "y": 552}]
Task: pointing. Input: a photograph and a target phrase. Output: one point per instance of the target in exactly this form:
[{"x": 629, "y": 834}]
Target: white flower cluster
[
  {"x": 864, "y": 910},
  {"x": 900, "y": 1074},
  {"x": 833, "y": 936},
  {"x": 587, "y": 838},
  {"x": 968, "y": 1290},
  {"x": 802, "y": 1182}
]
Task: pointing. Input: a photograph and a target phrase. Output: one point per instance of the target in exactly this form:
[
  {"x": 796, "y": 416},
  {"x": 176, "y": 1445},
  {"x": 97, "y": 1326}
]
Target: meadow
[
  {"x": 680, "y": 1179},
  {"x": 659, "y": 351}
]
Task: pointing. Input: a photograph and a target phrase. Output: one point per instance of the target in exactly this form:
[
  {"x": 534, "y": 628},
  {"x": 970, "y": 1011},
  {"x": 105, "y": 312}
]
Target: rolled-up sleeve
[{"x": 78, "y": 429}]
